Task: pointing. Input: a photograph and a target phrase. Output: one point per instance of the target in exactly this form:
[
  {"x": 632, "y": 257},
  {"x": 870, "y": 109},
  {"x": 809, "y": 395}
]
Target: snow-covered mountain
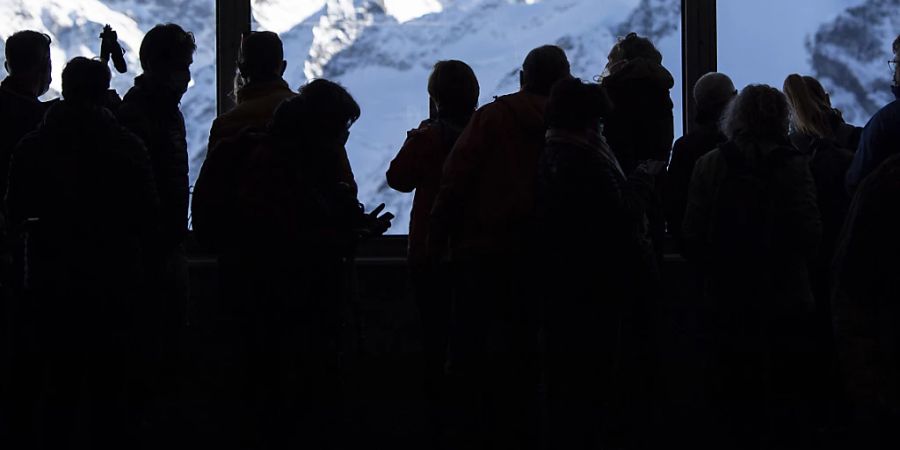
[{"x": 383, "y": 50}]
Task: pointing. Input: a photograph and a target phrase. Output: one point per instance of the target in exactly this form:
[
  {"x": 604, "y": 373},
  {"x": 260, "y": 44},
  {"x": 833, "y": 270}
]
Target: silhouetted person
[
  {"x": 298, "y": 222},
  {"x": 28, "y": 65},
  {"x": 587, "y": 206},
  {"x": 712, "y": 93},
  {"x": 453, "y": 89},
  {"x": 486, "y": 206},
  {"x": 866, "y": 311},
  {"x": 820, "y": 133},
  {"x": 84, "y": 186},
  {"x": 881, "y": 136},
  {"x": 753, "y": 224},
  {"x": 151, "y": 111}
]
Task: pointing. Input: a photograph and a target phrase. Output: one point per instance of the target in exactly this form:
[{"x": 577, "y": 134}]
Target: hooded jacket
[
  {"x": 641, "y": 125},
  {"x": 89, "y": 183},
  {"x": 796, "y": 233},
  {"x": 880, "y": 139},
  {"x": 486, "y": 200},
  {"x": 154, "y": 116}
]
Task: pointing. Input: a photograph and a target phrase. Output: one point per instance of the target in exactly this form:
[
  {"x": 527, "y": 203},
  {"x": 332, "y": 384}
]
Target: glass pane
[
  {"x": 383, "y": 51},
  {"x": 844, "y": 43},
  {"x": 74, "y": 26}
]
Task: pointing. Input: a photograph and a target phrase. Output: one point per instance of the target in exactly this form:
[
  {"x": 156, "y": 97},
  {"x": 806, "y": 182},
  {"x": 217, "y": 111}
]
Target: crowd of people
[{"x": 536, "y": 251}]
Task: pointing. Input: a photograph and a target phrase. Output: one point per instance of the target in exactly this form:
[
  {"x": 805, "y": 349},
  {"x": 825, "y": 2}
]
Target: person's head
[
  {"x": 167, "y": 53},
  {"x": 85, "y": 82},
  {"x": 758, "y": 113},
  {"x": 28, "y": 58},
  {"x": 712, "y": 93},
  {"x": 261, "y": 57},
  {"x": 810, "y": 105},
  {"x": 543, "y": 67},
  {"x": 632, "y": 47},
  {"x": 321, "y": 115},
  {"x": 896, "y": 48},
  {"x": 454, "y": 89},
  {"x": 577, "y": 106}
]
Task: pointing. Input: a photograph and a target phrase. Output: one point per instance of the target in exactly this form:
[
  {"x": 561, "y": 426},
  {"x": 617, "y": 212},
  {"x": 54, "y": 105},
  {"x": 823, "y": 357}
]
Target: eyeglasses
[{"x": 893, "y": 65}]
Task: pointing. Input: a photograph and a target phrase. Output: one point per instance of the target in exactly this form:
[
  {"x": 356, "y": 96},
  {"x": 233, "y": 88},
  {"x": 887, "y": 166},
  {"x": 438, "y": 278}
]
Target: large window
[
  {"x": 844, "y": 43},
  {"x": 384, "y": 55},
  {"x": 74, "y": 26}
]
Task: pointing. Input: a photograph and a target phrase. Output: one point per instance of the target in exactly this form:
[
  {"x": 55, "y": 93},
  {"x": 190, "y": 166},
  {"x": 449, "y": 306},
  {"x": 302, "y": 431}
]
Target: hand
[
  {"x": 377, "y": 223},
  {"x": 652, "y": 167}
]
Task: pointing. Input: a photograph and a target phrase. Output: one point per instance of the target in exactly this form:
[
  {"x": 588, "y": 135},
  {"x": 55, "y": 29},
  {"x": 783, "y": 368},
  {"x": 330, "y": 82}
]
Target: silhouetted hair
[
  {"x": 575, "y": 105},
  {"x": 810, "y": 106},
  {"x": 759, "y": 113},
  {"x": 85, "y": 81},
  {"x": 27, "y": 50},
  {"x": 712, "y": 93},
  {"x": 543, "y": 67},
  {"x": 323, "y": 111},
  {"x": 166, "y": 45},
  {"x": 262, "y": 53},
  {"x": 633, "y": 46},
  {"x": 454, "y": 87},
  {"x": 896, "y": 46}
]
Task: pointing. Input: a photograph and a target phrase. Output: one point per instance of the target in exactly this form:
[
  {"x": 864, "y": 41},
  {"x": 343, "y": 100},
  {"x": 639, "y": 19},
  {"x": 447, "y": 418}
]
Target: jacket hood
[
  {"x": 154, "y": 94},
  {"x": 527, "y": 109},
  {"x": 70, "y": 120},
  {"x": 642, "y": 70}
]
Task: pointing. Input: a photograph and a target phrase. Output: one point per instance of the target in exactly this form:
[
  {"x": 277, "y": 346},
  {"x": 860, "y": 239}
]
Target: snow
[{"x": 763, "y": 41}]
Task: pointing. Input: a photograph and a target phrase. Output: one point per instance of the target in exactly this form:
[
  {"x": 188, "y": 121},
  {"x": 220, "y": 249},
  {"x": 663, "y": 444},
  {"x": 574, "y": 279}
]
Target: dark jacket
[
  {"x": 685, "y": 153},
  {"x": 795, "y": 235},
  {"x": 486, "y": 200},
  {"x": 865, "y": 309},
  {"x": 880, "y": 139},
  {"x": 288, "y": 208},
  {"x": 20, "y": 113},
  {"x": 590, "y": 215},
  {"x": 154, "y": 116},
  {"x": 829, "y": 160},
  {"x": 418, "y": 167},
  {"x": 641, "y": 125},
  {"x": 89, "y": 183}
]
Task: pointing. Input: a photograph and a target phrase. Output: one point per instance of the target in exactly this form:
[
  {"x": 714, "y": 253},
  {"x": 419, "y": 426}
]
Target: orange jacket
[
  {"x": 418, "y": 167},
  {"x": 256, "y": 104},
  {"x": 486, "y": 200}
]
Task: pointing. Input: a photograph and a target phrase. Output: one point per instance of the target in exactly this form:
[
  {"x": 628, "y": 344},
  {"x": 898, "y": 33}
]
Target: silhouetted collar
[
  {"x": 589, "y": 141},
  {"x": 69, "y": 119},
  {"x": 644, "y": 70},
  {"x": 254, "y": 91},
  {"x": 15, "y": 86},
  {"x": 155, "y": 94}
]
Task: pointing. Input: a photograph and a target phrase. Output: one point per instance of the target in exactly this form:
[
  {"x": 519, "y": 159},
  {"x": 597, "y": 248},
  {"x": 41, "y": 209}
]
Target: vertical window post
[
  {"x": 698, "y": 40},
  {"x": 232, "y": 21}
]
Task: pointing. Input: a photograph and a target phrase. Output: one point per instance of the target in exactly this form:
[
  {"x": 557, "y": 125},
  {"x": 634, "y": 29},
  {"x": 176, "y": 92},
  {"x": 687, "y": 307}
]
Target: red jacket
[
  {"x": 486, "y": 199},
  {"x": 418, "y": 167}
]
